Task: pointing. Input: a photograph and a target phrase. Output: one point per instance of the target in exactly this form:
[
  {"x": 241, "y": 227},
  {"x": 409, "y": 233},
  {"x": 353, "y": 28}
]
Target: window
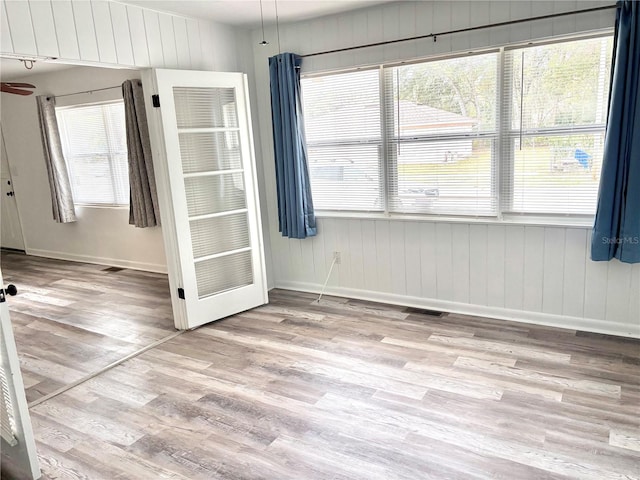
[
  {"x": 344, "y": 140},
  {"x": 559, "y": 96},
  {"x": 509, "y": 132},
  {"x": 95, "y": 148}
]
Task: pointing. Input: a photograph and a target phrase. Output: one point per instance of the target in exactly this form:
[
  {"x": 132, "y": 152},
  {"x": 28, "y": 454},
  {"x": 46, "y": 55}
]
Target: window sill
[
  {"x": 102, "y": 207},
  {"x": 528, "y": 220}
]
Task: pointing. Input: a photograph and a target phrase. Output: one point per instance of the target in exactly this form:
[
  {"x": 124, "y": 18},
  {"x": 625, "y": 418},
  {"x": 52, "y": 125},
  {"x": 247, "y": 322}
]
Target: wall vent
[{"x": 423, "y": 311}]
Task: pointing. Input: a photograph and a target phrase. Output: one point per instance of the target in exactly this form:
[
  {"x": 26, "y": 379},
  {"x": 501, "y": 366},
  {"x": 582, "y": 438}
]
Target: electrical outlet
[{"x": 336, "y": 257}]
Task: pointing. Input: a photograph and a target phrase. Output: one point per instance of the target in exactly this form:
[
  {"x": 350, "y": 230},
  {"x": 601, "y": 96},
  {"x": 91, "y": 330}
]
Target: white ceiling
[
  {"x": 11, "y": 68},
  {"x": 246, "y": 13}
]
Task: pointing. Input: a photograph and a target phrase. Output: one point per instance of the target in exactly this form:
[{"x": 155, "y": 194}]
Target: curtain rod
[
  {"x": 461, "y": 30},
  {"x": 87, "y": 91}
]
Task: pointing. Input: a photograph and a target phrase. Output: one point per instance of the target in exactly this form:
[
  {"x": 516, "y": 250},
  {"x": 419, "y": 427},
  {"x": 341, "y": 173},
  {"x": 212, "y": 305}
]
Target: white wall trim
[
  {"x": 536, "y": 318},
  {"x": 110, "y": 262},
  {"x": 566, "y": 221}
]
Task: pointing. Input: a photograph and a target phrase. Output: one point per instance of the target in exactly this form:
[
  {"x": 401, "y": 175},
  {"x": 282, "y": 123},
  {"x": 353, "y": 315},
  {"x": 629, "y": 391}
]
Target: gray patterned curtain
[
  {"x": 61, "y": 195},
  {"x": 143, "y": 205}
]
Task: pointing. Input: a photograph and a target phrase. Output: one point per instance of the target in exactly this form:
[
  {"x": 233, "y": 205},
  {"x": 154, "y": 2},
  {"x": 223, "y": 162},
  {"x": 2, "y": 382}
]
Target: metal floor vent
[
  {"x": 112, "y": 269},
  {"x": 423, "y": 311}
]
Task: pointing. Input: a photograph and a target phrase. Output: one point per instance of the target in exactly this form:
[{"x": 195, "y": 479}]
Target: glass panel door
[
  {"x": 206, "y": 178},
  {"x": 208, "y": 132}
]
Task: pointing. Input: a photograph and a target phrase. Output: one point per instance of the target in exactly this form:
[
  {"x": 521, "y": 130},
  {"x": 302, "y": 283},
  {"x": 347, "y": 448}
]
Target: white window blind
[
  {"x": 95, "y": 149},
  {"x": 344, "y": 140},
  {"x": 7, "y": 417},
  {"x": 555, "y": 130},
  {"x": 509, "y": 132},
  {"x": 441, "y": 126}
]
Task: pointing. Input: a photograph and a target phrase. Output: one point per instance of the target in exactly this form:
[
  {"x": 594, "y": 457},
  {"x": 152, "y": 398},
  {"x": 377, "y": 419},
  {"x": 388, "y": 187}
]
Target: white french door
[
  {"x": 18, "y": 450},
  {"x": 204, "y": 163}
]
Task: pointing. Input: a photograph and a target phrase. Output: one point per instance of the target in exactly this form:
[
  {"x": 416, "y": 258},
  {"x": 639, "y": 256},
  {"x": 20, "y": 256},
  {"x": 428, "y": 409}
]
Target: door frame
[
  {"x": 165, "y": 199},
  {"x": 9, "y": 176}
]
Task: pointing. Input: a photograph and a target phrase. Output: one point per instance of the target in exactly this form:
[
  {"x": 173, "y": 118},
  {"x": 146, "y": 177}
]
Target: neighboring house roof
[{"x": 414, "y": 116}]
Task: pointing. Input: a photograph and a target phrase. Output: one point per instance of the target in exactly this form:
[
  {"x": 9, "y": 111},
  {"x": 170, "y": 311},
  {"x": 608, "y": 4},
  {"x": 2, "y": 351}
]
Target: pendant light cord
[
  {"x": 278, "y": 27},
  {"x": 264, "y": 42}
]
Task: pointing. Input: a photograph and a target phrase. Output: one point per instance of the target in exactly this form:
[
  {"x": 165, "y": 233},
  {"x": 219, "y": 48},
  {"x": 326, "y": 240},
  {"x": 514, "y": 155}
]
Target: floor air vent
[
  {"x": 112, "y": 269},
  {"x": 422, "y": 311}
]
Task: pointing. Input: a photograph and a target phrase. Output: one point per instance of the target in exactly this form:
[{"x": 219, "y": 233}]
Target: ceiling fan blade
[
  {"x": 7, "y": 89},
  {"x": 18, "y": 85}
]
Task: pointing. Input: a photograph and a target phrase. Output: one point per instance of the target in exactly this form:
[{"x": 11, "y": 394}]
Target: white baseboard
[
  {"x": 537, "y": 318},
  {"x": 111, "y": 262}
]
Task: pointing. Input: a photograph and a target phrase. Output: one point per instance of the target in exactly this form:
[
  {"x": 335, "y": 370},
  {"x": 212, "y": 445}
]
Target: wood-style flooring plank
[
  {"x": 340, "y": 390},
  {"x": 71, "y": 319}
]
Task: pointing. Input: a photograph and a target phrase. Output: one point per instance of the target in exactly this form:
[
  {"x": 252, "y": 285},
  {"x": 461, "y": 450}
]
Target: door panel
[
  {"x": 206, "y": 177},
  {"x": 219, "y": 274},
  {"x": 215, "y": 194},
  {"x": 214, "y": 235},
  {"x": 10, "y": 229},
  {"x": 202, "y": 152},
  {"x": 18, "y": 449}
]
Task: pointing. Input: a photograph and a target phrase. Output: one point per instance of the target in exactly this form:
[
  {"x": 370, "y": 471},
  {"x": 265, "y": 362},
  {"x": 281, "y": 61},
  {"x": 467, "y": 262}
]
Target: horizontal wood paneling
[
  {"x": 114, "y": 33},
  {"x": 543, "y": 272}
]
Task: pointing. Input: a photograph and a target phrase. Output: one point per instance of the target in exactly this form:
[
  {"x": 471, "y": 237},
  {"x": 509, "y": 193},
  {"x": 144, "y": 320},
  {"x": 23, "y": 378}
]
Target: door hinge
[
  {"x": 181, "y": 293},
  {"x": 155, "y": 99}
]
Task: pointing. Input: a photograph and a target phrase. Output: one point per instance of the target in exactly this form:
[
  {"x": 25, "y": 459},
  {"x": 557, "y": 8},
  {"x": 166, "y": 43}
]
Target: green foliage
[
  {"x": 564, "y": 84},
  {"x": 466, "y": 86}
]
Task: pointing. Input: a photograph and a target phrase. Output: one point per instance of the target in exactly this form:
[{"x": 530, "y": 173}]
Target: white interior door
[
  {"x": 207, "y": 188},
  {"x": 10, "y": 229},
  {"x": 19, "y": 457}
]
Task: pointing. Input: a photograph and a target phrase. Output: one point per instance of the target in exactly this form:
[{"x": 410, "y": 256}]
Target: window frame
[
  {"x": 381, "y": 144},
  {"x": 110, "y": 155},
  {"x": 503, "y": 143}
]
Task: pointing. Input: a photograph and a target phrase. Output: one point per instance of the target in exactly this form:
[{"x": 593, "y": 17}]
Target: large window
[
  {"x": 95, "y": 148},
  {"x": 508, "y": 132}
]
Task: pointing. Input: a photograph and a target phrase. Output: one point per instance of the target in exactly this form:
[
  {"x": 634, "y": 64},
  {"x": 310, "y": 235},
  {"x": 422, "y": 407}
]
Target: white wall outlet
[{"x": 337, "y": 258}]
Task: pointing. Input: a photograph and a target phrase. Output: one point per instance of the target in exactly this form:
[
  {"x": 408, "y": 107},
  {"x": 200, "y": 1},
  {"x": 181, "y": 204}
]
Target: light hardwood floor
[
  {"x": 347, "y": 389},
  {"x": 71, "y": 319}
]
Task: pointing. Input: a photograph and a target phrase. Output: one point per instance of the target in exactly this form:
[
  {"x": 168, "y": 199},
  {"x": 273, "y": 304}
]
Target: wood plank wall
[{"x": 113, "y": 33}]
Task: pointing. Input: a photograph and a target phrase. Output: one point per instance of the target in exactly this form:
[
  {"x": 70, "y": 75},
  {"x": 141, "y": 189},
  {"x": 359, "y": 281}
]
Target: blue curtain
[
  {"x": 295, "y": 205},
  {"x": 616, "y": 232}
]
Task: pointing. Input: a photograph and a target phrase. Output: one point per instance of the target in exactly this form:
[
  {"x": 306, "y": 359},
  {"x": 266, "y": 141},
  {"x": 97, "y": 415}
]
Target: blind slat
[
  {"x": 94, "y": 144},
  {"x": 6, "y": 410}
]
